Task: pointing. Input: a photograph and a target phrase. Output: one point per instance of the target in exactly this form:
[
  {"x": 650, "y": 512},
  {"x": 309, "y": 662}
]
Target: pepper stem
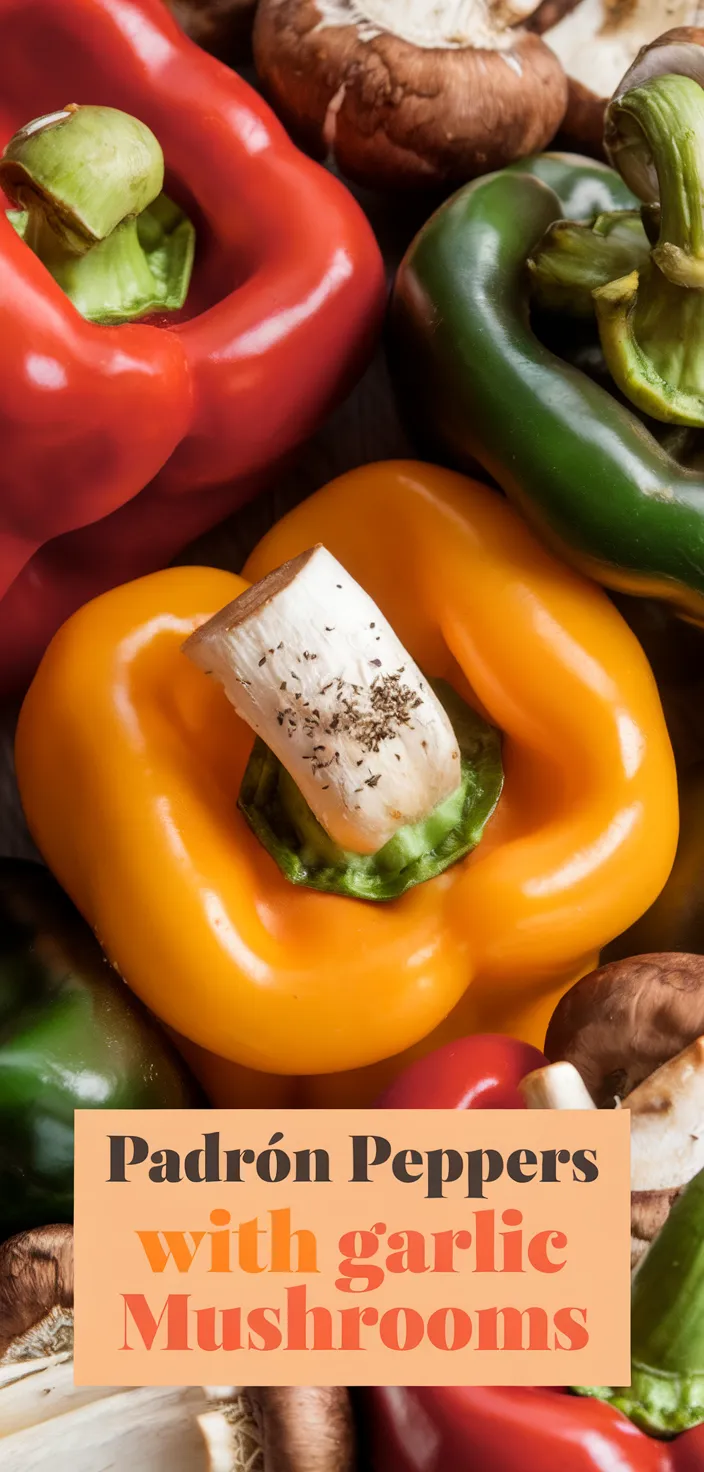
[
  {"x": 666, "y": 115},
  {"x": 651, "y": 321},
  {"x": 573, "y": 259},
  {"x": 86, "y": 183},
  {"x": 666, "y": 1395}
]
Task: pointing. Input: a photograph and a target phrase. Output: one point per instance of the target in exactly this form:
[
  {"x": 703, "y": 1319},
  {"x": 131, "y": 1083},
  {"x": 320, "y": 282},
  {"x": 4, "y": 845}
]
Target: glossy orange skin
[
  {"x": 120, "y": 444},
  {"x": 129, "y": 763}
]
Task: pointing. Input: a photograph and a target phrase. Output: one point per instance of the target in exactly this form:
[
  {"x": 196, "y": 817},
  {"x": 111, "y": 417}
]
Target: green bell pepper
[
  {"x": 666, "y": 1394},
  {"x": 601, "y": 485},
  {"x": 72, "y": 1036}
]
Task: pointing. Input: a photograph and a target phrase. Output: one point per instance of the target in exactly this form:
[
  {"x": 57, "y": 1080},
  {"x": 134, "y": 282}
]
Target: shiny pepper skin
[
  {"x": 120, "y": 444},
  {"x": 129, "y": 763}
]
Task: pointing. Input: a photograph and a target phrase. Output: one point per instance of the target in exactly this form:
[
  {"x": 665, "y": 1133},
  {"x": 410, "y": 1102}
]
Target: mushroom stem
[
  {"x": 311, "y": 664},
  {"x": 559, "y": 1086}
]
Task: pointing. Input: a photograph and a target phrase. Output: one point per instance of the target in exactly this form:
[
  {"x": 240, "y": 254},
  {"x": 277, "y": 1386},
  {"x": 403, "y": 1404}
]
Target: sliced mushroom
[
  {"x": 620, "y": 1023},
  {"x": 402, "y": 93},
  {"x": 145, "y": 1430},
  {"x": 634, "y": 1033},
  {"x": 36, "y": 1294},
  {"x": 597, "y": 42},
  {"x": 223, "y": 27},
  {"x": 310, "y": 662}
]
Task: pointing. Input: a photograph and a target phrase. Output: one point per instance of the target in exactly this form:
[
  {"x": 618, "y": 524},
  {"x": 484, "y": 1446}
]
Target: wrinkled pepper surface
[
  {"x": 516, "y": 1429},
  {"x": 123, "y": 443},
  {"x": 130, "y": 761},
  {"x": 619, "y": 495},
  {"x": 71, "y": 1037}
]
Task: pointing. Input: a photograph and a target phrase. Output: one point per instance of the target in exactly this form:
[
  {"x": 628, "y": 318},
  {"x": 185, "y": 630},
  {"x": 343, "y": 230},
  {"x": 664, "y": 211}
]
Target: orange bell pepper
[{"x": 130, "y": 760}]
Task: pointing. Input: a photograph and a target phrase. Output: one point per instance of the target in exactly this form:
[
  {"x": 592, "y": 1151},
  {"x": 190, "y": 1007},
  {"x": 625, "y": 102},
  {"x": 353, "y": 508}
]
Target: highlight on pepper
[
  {"x": 493, "y": 635},
  {"x": 86, "y": 183}
]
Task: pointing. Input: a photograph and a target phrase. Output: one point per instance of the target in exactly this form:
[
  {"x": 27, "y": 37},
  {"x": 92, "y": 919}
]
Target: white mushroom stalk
[
  {"x": 309, "y": 662},
  {"x": 559, "y": 1086},
  {"x": 447, "y": 24},
  {"x": 49, "y": 1425}
]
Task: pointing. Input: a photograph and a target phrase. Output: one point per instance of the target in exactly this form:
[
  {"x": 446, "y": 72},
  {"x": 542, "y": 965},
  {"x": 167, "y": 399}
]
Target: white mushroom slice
[
  {"x": 145, "y": 1430},
  {"x": 667, "y": 1123},
  {"x": 310, "y": 663},
  {"x": 559, "y": 1086},
  {"x": 35, "y": 1391}
]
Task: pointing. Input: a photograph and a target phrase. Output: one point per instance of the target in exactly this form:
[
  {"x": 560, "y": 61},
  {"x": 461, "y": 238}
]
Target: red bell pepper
[
  {"x": 522, "y": 1429},
  {"x": 120, "y": 444},
  {"x": 516, "y": 1430}
]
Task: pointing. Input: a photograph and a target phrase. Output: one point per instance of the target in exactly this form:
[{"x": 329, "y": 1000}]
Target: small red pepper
[
  {"x": 476, "y": 1429},
  {"x": 120, "y": 444},
  {"x": 521, "y": 1429}
]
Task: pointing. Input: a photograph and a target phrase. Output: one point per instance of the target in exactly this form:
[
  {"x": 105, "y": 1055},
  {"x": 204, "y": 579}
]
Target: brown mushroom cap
[
  {"x": 223, "y": 27},
  {"x": 36, "y": 1293},
  {"x": 620, "y": 1023},
  {"x": 397, "y": 114}
]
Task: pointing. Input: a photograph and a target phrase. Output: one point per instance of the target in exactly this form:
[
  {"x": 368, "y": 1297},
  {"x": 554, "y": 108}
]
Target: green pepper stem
[
  {"x": 651, "y": 322},
  {"x": 667, "y": 115},
  {"x": 666, "y": 1395},
  {"x": 83, "y": 181},
  {"x": 574, "y": 259}
]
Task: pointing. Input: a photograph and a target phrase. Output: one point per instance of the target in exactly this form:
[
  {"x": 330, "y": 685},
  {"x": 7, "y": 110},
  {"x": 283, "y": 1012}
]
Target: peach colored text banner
[{"x": 352, "y": 1247}]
